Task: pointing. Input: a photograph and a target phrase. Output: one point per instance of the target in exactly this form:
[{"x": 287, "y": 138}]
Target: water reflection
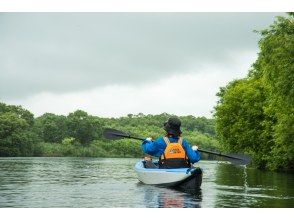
[
  {"x": 8, "y": 183},
  {"x": 109, "y": 182},
  {"x": 239, "y": 186},
  {"x": 161, "y": 197}
]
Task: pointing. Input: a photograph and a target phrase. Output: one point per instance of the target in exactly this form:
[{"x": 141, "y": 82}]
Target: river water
[{"x": 112, "y": 182}]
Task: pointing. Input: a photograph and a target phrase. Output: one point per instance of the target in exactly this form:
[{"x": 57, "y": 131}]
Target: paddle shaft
[
  {"x": 129, "y": 136},
  {"x": 115, "y": 134},
  {"x": 200, "y": 150},
  {"x": 219, "y": 154}
]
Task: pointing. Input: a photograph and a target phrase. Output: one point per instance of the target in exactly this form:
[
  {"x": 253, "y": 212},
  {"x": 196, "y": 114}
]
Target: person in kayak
[{"x": 173, "y": 151}]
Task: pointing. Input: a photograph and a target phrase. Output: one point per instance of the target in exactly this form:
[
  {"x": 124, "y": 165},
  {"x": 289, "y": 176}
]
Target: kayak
[{"x": 183, "y": 178}]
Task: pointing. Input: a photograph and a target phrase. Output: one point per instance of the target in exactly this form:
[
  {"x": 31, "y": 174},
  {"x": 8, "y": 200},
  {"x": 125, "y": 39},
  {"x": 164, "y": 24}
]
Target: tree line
[
  {"x": 256, "y": 114},
  {"x": 80, "y": 134}
]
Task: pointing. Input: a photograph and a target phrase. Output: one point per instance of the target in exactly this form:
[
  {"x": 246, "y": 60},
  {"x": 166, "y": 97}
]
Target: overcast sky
[{"x": 112, "y": 64}]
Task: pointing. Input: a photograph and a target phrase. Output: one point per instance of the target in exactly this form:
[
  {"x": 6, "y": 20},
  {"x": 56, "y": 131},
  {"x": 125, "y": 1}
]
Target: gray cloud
[{"x": 63, "y": 52}]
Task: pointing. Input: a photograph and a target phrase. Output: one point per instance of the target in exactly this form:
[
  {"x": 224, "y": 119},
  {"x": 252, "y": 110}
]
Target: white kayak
[{"x": 185, "y": 178}]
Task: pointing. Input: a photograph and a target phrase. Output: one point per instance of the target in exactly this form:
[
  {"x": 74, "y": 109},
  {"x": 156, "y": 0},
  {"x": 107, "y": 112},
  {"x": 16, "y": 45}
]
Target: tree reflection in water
[
  {"x": 162, "y": 197},
  {"x": 239, "y": 186}
]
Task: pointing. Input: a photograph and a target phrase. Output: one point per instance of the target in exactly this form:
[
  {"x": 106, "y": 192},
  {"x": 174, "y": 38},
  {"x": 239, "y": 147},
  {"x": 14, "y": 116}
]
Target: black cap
[{"x": 172, "y": 126}]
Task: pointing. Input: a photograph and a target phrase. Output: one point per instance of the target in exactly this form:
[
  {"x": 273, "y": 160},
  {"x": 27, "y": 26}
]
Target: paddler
[{"x": 173, "y": 151}]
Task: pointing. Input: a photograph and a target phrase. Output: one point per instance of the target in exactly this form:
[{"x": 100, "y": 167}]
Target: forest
[
  {"x": 80, "y": 134},
  {"x": 256, "y": 114}
]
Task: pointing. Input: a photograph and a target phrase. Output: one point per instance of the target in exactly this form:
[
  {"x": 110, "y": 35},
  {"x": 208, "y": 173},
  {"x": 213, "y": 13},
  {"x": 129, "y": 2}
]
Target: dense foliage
[
  {"x": 80, "y": 134},
  {"x": 16, "y": 134},
  {"x": 256, "y": 114}
]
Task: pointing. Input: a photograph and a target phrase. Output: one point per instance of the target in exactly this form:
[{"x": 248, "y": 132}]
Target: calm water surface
[{"x": 97, "y": 182}]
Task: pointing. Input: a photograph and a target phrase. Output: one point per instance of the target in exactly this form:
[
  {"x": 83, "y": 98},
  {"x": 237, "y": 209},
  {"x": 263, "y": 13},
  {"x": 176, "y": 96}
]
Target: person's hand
[
  {"x": 195, "y": 148},
  {"x": 147, "y": 158},
  {"x": 148, "y": 139}
]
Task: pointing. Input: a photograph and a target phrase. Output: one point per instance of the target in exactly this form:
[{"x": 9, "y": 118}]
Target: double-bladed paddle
[{"x": 236, "y": 159}]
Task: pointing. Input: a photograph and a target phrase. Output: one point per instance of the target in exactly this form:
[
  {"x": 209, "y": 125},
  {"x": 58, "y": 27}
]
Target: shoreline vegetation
[
  {"x": 256, "y": 114},
  {"x": 80, "y": 135}
]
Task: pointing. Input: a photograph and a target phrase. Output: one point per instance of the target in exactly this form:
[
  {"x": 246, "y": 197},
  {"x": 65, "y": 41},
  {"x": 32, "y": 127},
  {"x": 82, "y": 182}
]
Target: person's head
[{"x": 172, "y": 126}]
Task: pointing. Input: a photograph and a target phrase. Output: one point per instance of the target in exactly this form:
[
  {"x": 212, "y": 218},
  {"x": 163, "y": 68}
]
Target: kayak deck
[{"x": 184, "y": 178}]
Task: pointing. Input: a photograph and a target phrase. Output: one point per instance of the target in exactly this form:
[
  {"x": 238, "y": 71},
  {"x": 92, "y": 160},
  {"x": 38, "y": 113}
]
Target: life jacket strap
[
  {"x": 166, "y": 140},
  {"x": 180, "y": 141}
]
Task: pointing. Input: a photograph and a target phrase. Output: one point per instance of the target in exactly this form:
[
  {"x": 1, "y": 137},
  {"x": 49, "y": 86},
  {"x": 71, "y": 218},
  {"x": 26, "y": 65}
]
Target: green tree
[
  {"x": 51, "y": 128},
  {"x": 83, "y": 127},
  {"x": 16, "y": 135},
  {"x": 256, "y": 114},
  {"x": 240, "y": 119},
  {"x": 276, "y": 68}
]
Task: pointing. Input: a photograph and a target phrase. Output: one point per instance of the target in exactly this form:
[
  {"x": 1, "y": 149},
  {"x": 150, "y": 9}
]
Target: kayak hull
[{"x": 184, "y": 178}]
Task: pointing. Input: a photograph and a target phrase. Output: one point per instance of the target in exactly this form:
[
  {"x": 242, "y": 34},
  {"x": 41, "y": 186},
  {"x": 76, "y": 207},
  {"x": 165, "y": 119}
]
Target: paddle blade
[
  {"x": 113, "y": 134},
  {"x": 238, "y": 159}
]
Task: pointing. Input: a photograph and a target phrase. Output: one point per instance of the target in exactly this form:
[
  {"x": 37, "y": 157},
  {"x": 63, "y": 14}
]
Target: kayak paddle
[
  {"x": 113, "y": 134},
  {"x": 237, "y": 159}
]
